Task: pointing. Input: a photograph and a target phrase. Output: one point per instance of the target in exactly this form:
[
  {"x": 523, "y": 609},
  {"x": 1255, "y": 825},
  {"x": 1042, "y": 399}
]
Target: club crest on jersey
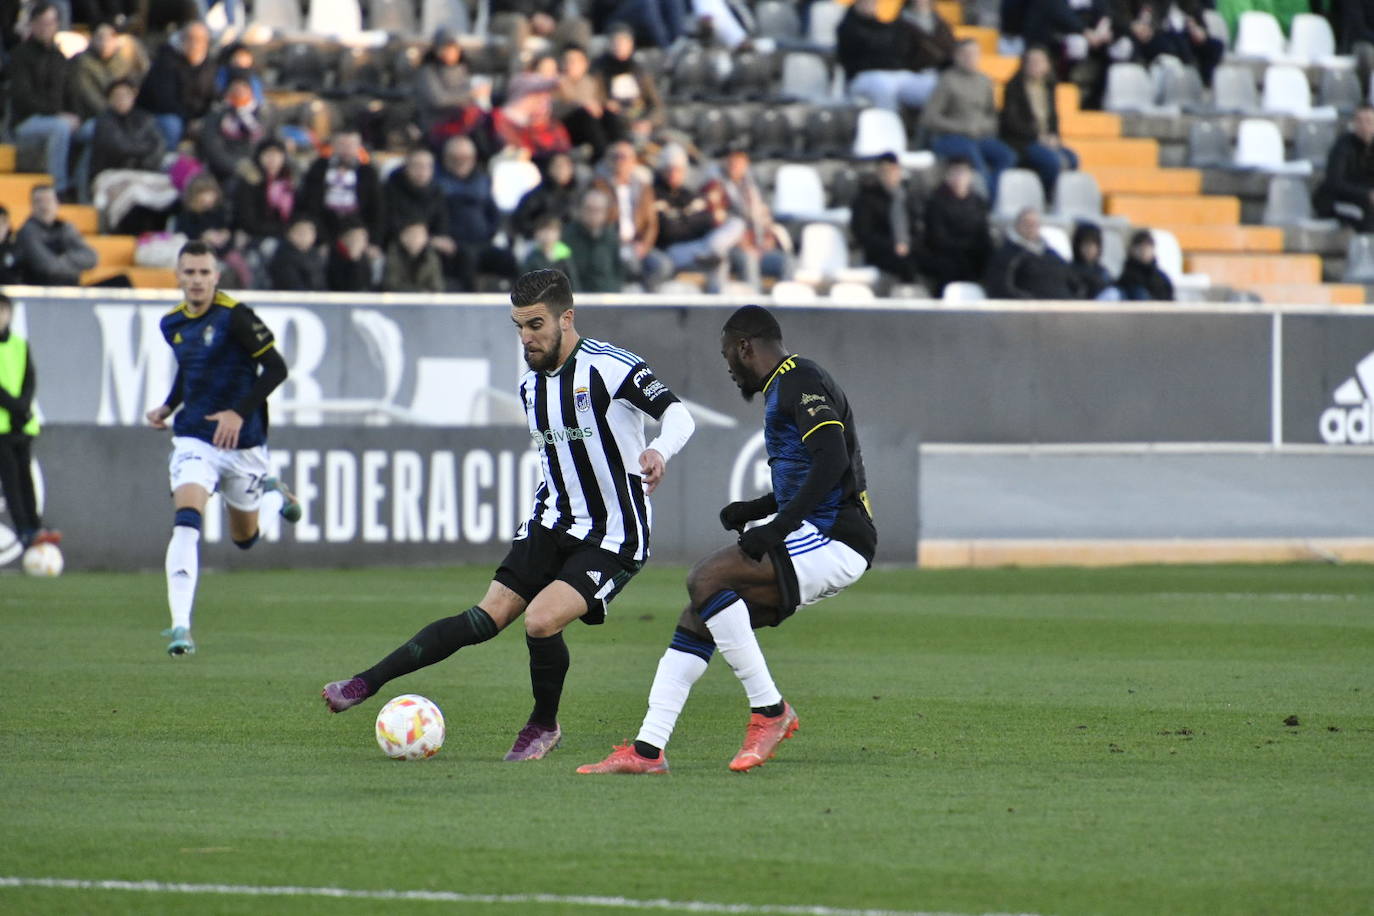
[
  {"x": 209, "y": 335},
  {"x": 582, "y": 400}
]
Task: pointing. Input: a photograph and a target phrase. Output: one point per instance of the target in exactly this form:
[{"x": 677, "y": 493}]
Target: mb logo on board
[{"x": 1349, "y": 421}]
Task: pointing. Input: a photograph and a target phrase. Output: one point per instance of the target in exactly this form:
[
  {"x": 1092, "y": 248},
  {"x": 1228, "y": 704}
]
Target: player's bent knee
[{"x": 247, "y": 543}]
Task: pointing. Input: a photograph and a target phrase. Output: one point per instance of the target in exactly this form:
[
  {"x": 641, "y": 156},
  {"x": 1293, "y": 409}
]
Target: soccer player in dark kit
[
  {"x": 227, "y": 365},
  {"x": 820, "y": 541},
  {"x": 585, "y": 403}
]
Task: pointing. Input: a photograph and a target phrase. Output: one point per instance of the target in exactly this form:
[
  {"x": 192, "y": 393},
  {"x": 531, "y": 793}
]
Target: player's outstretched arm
[{"x": 677, "y": 427}]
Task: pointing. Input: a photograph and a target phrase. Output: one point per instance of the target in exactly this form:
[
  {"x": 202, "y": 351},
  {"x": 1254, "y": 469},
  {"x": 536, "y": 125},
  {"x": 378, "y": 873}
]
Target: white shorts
[
  {"x": 821, "y": 567},
  {"x": 237, "y": 473}
]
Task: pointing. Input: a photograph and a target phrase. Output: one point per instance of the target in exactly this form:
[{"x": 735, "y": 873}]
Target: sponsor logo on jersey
[
  {"x": 209, "y": 335},
  {"x": 653, "y": 388},
  {"x": 542, "y": 437},
  {"x": 594, "y": 575},
  {"x": 1350, "y": 420},
  {"x": 812, "y": 399},
  {"x": 176, "y": 338},
  {"x": 582, "y": 400}
]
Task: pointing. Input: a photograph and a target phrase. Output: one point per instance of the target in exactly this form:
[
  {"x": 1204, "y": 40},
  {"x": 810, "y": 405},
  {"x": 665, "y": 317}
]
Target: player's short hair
[
  {"x": 548, "y": 286},
  {"x": 36, "y": 189},
  {"x": 753, "y": 322},
  {"x": 195, "y": 248}
]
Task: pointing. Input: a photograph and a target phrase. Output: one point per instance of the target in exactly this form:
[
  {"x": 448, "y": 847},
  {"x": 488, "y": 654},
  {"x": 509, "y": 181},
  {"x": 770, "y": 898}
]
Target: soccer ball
[
  {"x": 410, "y": 727},
  {"x": 43, "y": 560}
]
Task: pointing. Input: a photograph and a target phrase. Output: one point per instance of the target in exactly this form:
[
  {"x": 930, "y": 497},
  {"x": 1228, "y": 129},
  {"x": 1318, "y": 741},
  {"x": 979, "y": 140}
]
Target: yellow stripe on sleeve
[
  {"x": 269, "y": 346},
  {"x": 819, "y": 425}
]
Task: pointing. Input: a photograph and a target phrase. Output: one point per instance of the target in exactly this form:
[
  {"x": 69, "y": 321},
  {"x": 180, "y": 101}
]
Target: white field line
[{"x": 624, "y": 903}]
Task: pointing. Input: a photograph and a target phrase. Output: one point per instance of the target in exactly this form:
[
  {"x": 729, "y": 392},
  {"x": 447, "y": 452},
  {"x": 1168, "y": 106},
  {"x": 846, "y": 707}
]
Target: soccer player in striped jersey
[
  {"x": 585, "y": 402},
  {"x": 227, "y": 365},
  {"x": 820, "y": 541}
]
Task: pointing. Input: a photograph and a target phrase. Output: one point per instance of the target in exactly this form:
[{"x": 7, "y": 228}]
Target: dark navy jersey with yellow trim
[
  {"x": 800, "y": 398},
  {"x": 217, "y": 356}
]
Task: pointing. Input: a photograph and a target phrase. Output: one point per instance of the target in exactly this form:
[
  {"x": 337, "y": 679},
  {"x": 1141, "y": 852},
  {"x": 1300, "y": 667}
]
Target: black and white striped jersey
[{"x": 587, "y": 419}]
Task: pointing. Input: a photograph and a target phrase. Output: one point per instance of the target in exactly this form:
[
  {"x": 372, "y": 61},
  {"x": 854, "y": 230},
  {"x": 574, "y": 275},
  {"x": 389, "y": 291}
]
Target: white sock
[
  {"x": 677, "y": 672},
  {"x": 271, "y": 504},
  {"x": 183, "y": 568},
  {"x": 737, "y": 644}
]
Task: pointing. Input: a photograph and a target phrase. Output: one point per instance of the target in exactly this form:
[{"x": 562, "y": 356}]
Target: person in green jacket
[
  {"x": 595, "y": 246},
  {"x": 18, "y": 428},
  {"x": 550, "y": 251}
]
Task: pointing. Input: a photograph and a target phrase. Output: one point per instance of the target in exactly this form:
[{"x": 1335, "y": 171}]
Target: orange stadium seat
[
  {"x": 1247, "y": 270},
  {"x": 1156, "y": 210}
]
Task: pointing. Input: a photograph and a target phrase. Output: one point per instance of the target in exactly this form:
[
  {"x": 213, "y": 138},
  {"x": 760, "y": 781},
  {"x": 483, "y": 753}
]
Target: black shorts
[{"x": 543, "y": 556}]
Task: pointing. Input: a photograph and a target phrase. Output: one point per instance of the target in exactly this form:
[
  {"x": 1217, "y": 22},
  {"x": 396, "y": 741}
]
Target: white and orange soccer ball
[
  {"x": 410, "y": 727},
  {"x": 43, "y": 560}
]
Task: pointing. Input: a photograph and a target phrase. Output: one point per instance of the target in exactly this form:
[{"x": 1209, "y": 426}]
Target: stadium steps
[
  {"x": 15, "y": 188},
  {"x": 1250, "y": 271},
  {"x": 998, "y": 68},
  {"x": 1310, "y": 293},
  {"x": 1159, "y": 209},
  {"x": 9, "y": 157},
  {"x": 113, "y": 250},
  {"x": 1145, "y": 180},
  {"x": 1117, "y": 153},
  {"x": 141, "y": 277},
  {"x": 1226, "y": 239},
  {"x": 1088, "y": 125}
]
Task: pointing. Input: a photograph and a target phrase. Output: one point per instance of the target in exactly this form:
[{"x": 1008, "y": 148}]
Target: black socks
[
  {"x": 645, "y": 749},
  {"x": 548, "y": 667},
  {"x": 434, "y": 643},
  {"x": 771, "y": 712}
]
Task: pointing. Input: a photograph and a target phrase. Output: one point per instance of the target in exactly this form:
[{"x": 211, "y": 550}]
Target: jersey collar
[
  {"x": 788, "y": 362},
  {"x": 567, "y": 362}
]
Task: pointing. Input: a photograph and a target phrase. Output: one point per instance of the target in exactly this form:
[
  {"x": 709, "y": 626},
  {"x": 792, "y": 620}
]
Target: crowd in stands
[{"x": 172, "y": 131}]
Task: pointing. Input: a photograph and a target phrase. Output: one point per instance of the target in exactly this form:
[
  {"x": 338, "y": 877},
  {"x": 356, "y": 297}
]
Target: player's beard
[{"x": 549, "y": 360}]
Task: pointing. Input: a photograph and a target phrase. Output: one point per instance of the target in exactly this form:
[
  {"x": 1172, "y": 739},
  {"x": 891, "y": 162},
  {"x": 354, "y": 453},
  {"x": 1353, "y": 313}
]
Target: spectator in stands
[
  {"x": 580, "y": 104},
  {"x": 411, "y": 195},
  {"x": 1141, "y": 277},
  {"x": 658, "y": 22},
  {"x": 555, "y": 195},
  {"x": 1347, "y": 191},
  {"x": 1082, "y": 31},
  {"x": 448, "y": 101},
  {"x": 1029, "y": 122},
  {"x": 632, "y": 208},
  {"x": 1094, "y": 280},
  {"x": 40, "y": 94},
  {"x": 353, "y": 259},
  {"x": 297, "y": 265},
  {"x": 525, "y": 125},
  {"x": 961, "y": 118},
  {"x": 473, "y": 219},
  {"x": 594, "y": 246},
  {"x": 265, "y": 194},
  {"x": 50, "y": 251},
  {"x": 180, "y": 87},
  {"x": 695, "y": 228},
  {"x": 884, "y": 62},
  {"x": 630, "y": 90},
  {"x": 1026, "y": 268},
  {"x": 886, "y": 221},
  {"x": 550, "y": 251},
  {"x": 412, "y": 264},
  {"x": 109, "y": 57},
  {"x": 935, "y": 41},
  {"x": 957, "y": 241},
  {"x": 341, "y": 185},
  {"x": 760, "y": 251},
  {"x": 236, "y": 62},
  {"x": 521, "y": 20},
  {"x": 10, "y": 274},
  {"x": 1173, "y": 27},
  {"x": 204, "y": 216},
  {"x": 125, "y": 137},
  {"x": 232, "y": 130}
]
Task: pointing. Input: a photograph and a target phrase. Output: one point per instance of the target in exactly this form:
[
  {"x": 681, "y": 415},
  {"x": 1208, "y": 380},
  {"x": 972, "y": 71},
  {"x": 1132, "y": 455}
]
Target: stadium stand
[{"x": 1225, "y": 171}]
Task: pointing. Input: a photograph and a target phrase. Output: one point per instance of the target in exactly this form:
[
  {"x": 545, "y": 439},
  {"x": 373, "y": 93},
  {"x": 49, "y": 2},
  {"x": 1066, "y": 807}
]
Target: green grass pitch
[{"x": 1049, "y": 742}]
